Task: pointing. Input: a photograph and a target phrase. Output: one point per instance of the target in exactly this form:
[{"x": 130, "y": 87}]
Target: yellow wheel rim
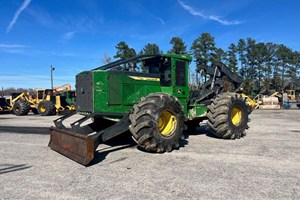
[
  {"x": 72, "y": 107},
  {"x": 236, "y": 116},
  {"x": 43, "y": 108},
  {"x": 167, "y": 123}
]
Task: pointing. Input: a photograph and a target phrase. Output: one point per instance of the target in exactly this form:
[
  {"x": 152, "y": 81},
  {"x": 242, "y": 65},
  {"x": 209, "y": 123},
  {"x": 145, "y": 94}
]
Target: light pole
[{"x": 51, "y": 71}]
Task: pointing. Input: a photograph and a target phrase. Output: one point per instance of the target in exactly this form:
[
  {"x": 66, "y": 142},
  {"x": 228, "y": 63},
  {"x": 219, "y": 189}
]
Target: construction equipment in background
[
  {"x": 43, "y": 102},
  {"x": 291, "y": 95},
  {"x": 39, "y": 103},
  {"x": 70, "y": 96},
  {"x": 277, "y": 100},
  {"x": 66, "y": 87},
  {"x": 151, "y": 99},
  {"x": 269, "y": 103},
  {"x": 266, "y": 102},
  {"x": 22, "y": 103},
  {"x": 4, "y": 105},
  {"x": 65, "y": 90}
]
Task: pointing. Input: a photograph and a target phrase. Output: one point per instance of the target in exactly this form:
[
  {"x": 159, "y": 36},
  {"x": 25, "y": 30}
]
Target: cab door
[{"x": 180, "y": 80}]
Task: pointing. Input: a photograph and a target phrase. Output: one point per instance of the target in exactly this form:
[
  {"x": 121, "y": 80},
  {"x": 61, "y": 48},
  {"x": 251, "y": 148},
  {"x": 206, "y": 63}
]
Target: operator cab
[{"x": 159, "y": 66}]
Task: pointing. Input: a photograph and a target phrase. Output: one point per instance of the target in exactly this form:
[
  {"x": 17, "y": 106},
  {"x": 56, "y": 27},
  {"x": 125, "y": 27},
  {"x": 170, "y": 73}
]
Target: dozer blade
[{"x": 77, "y": 147}]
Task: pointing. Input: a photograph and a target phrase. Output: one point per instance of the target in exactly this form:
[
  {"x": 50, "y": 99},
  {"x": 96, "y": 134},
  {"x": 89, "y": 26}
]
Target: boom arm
[
  {"x": 219, "y": 74},
  {"x": 66, "y": 87}
]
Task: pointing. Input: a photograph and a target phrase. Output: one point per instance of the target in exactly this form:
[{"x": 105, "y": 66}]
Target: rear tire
[
  {"x": 157, "y": 122},
  {"x": 46, "y": 108},
  {"x": 228, "y": 116},
  {"x": 21, "y": 108}
]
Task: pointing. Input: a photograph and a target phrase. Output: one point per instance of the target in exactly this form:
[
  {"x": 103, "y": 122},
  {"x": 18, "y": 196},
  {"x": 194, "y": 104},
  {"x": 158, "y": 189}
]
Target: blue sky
[{"x": 74, "y": 35}]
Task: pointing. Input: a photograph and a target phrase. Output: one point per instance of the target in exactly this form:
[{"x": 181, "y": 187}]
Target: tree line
[
  {"x": 11, "y": 90},
  {"x": 263, "y": 66}
]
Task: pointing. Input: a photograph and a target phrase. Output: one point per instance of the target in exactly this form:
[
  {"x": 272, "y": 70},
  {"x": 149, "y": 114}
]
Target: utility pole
[{"x": 51, "y": 70}]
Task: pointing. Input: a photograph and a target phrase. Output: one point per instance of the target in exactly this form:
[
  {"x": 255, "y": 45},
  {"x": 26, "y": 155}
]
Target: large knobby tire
[
  {"x": 21, "y": 108},
  {"x": 157, "y": 122},
  {"x": 228, "y": 116},
  {"x": 46, "y": 108}
]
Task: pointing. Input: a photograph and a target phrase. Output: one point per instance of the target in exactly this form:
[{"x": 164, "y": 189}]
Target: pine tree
[
  {"x": 231, "y": 57},
  {"x": 150, "y": 49},
  {"x": 203, "y": 49},
  {"x": 178, "y": 46},
  {"x": 124, "y": 52},
  {"x": 241, "y": 49}
]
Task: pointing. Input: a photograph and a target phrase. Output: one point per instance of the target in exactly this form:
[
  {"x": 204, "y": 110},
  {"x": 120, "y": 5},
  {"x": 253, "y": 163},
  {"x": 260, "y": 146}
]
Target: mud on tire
[
  {"x": 157, "y": 122},
  {"x": 228, "y": 116}
]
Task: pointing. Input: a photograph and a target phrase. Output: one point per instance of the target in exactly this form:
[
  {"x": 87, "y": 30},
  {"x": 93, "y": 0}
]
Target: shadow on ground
[
  {"x": 24, "y": 130},
  {"x": 7, "y": 168},
  {"x": 201, "y": 130},
  {"x": 118, "y": 143},
  {"x": 125, "y": 140}
]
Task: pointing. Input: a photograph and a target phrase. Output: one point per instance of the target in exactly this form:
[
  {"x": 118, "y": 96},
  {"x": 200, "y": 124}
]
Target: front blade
[{"x": 77, "y": 147}]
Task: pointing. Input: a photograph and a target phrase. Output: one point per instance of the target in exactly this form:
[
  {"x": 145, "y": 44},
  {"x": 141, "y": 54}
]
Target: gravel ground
[{"x": 263, "y": 165}]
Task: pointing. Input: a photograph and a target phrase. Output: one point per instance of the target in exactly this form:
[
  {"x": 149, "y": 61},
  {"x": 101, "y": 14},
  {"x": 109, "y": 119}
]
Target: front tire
[
  {"x": 157, "y": 122},
  {"x": 228, "y": 116},
  {"x": 21, "y": 108}
]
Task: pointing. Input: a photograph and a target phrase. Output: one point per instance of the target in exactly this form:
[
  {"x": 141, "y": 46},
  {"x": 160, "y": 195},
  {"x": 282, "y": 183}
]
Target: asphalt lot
[{"x": 263, "y": 165}]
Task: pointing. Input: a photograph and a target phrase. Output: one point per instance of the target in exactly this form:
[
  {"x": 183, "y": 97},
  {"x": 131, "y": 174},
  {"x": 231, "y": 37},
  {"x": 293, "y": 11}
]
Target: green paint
[
  {"x": 117, "y": 92},
  {"x": 197, "y": 111}
]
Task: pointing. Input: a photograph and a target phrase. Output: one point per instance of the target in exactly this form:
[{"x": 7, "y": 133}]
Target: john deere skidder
[{"x": 149, "y": 96}]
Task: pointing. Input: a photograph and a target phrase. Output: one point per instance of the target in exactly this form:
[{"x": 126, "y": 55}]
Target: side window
[
  {"x": 40, "y": 94},
  {"x": 150, "y": 66},
  {"x": 165, "y": 73},
  {"x": 180, "y": 74}
]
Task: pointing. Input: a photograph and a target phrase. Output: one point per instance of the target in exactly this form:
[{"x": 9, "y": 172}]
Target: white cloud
[
  {"x": 17, "y": 14},
  {"x": 224, "y": 22},
  {"x": 194, "y": 12},
  {"x": 11, "y": 46},
  {"x": 161, "y": 20},
  {"x": 68, "y": 36}
]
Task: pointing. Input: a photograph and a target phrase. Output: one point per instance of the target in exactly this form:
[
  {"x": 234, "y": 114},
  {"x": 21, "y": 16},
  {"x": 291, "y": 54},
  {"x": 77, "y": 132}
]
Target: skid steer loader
[{"x": 149, "y": 96}]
